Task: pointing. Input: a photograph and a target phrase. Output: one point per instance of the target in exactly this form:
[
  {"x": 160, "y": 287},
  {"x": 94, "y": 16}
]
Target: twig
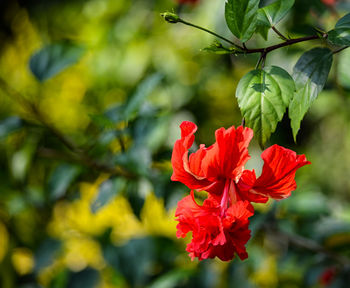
[
  {"x": 279, "y": 33},
  {"x": 243, "y": 49},
  {"x": 340, "y": 49},
  {"x": 210, "y": 32}
]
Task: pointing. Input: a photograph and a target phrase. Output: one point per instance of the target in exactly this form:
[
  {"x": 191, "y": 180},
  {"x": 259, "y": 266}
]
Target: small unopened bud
[{"x": 170, "y": 17}]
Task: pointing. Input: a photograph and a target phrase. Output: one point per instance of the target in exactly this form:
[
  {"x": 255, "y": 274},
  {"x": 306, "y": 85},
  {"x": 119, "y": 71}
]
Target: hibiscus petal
[
  {"x": 182, "y": 168},
  {"x": 245, "y": 185},
  {"x": 229, "y": 153},
  {"x": 277, "y": 178},
  {"x": 214, "y": 234}
]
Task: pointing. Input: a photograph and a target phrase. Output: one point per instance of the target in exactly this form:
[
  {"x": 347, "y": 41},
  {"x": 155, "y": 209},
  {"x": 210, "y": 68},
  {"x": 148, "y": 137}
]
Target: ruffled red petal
[
  {"x": 214, "y": 234},
  {"x": 189, "y": 172},
  {"x": 277, "y": 177}
]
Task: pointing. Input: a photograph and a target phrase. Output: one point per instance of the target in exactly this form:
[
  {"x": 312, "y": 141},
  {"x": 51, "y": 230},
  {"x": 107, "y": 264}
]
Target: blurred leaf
[
  {"x": 133, "y": 260},
  {"x": 22, "y": 158},
  {"x": 270, "y": 15},
  {"x": 340, "y": 35},
  {"x": 54, "y": 58},
  {"x": 103, "y": 122},
  {"x": 343, "y": 68},
  {"x": 151, "y": 131},
  {"x": 263, "y": 96},
  {"x": 171, "y": 279},
  {"x": 107, "y": 190},
  {"x": 9, "y": 125},
  {"x": 88, "y": 278},
  {"x": 328, "y": 227},
  {"x": 137, "y": 159},
  {"x": 46, "y": 253},
  {"x": 220, "y": 49},
  {"x": 241, "y": 17},
  {"x": 60, "y": 279},
  {"x": 310, "y": 74},
  {"x": 308, "y": 204},
  {"x": 143, "y": 90},
  {"x": 114, "y": 114},
  {"x": 61, "y": 178}
]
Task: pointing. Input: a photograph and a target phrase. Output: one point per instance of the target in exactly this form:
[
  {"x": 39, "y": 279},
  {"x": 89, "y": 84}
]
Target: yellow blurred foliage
[
  {"x": 155, "y": 219},
  {"x": 4, "y": 240},
  {"x": 75, "y": 224},
  {"x": 22, "y": 261},
  {"x": 80, "y": 252},
  {"x": 266, "y": 274}
]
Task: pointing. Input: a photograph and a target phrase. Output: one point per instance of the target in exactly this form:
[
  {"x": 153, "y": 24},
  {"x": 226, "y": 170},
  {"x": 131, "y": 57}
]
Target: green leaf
[
  {"x": 310, "y": 74},
  {"x": 343, "y": 68},
  {"x": 172, "y": 278},
  {"x": 54, "y": 58},
  {"x": 46, "y": 253},
  {"x": 107, "y": 190},
  {"x": 340, "y": 35},
  {"x": 270, "y": 15},
  {"x": 9, "y": 125},
  {"x": 218, "y": 48},
  {"x": 61, "y": 178},
  {"x": 263, "y": 30},
  {"x": 263, "y": 96},
  {"x": 241, "y": 17},
  {"x": 143, "y": 90}
]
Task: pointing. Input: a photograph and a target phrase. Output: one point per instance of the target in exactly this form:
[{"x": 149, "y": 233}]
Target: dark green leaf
[
  {"x": 133, "y": 260},
  {"x": 46, "y": 253},
  {"x": 9, "y": 125},
  {"x": 52, "y": 59},
  {"x": 218, "y": 48},
  {"x": 61, "y": 178},
  {"x": 263, "y": 96},
  {"x": 143, "y": 90},
  {"x": 87, "y": 278},
  {"x": 241, "y": 17},
  {"x": 340, "y": 35},
  {"x": 310, "y": 74},
  {"x": 107, "y": 190},
  {"x": 270, "y": 15}
]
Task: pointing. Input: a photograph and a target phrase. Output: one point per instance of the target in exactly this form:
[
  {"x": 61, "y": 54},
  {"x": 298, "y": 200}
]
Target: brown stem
[
  {"x": 280, "y": 45},
  {"x": 244, "y": 50},
  {"x": 279, "y": 33}
]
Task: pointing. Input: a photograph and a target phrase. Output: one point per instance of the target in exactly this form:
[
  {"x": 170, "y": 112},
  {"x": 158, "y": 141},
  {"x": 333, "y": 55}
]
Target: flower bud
[{"x": 170, "y": 17}]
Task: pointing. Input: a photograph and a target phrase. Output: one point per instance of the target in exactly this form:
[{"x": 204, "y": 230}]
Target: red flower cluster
[
  {"x": 329, "y": 2},
  {"x": 220, "y": 226}
]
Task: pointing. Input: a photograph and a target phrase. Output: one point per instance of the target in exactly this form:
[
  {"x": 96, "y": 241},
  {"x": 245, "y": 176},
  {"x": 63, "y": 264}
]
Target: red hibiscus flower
[
  {"x": 327, "y": 276},
  {"x": 220, "y": 227},
  {"x": 215, "y": 232},
  {"x": 329, "y": 2},
  {"x": 219, "y": 169}
]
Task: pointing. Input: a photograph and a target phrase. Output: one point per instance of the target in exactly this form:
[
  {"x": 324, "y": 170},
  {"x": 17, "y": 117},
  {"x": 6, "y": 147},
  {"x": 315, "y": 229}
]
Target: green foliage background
[{"x": 85, "y": 144}]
